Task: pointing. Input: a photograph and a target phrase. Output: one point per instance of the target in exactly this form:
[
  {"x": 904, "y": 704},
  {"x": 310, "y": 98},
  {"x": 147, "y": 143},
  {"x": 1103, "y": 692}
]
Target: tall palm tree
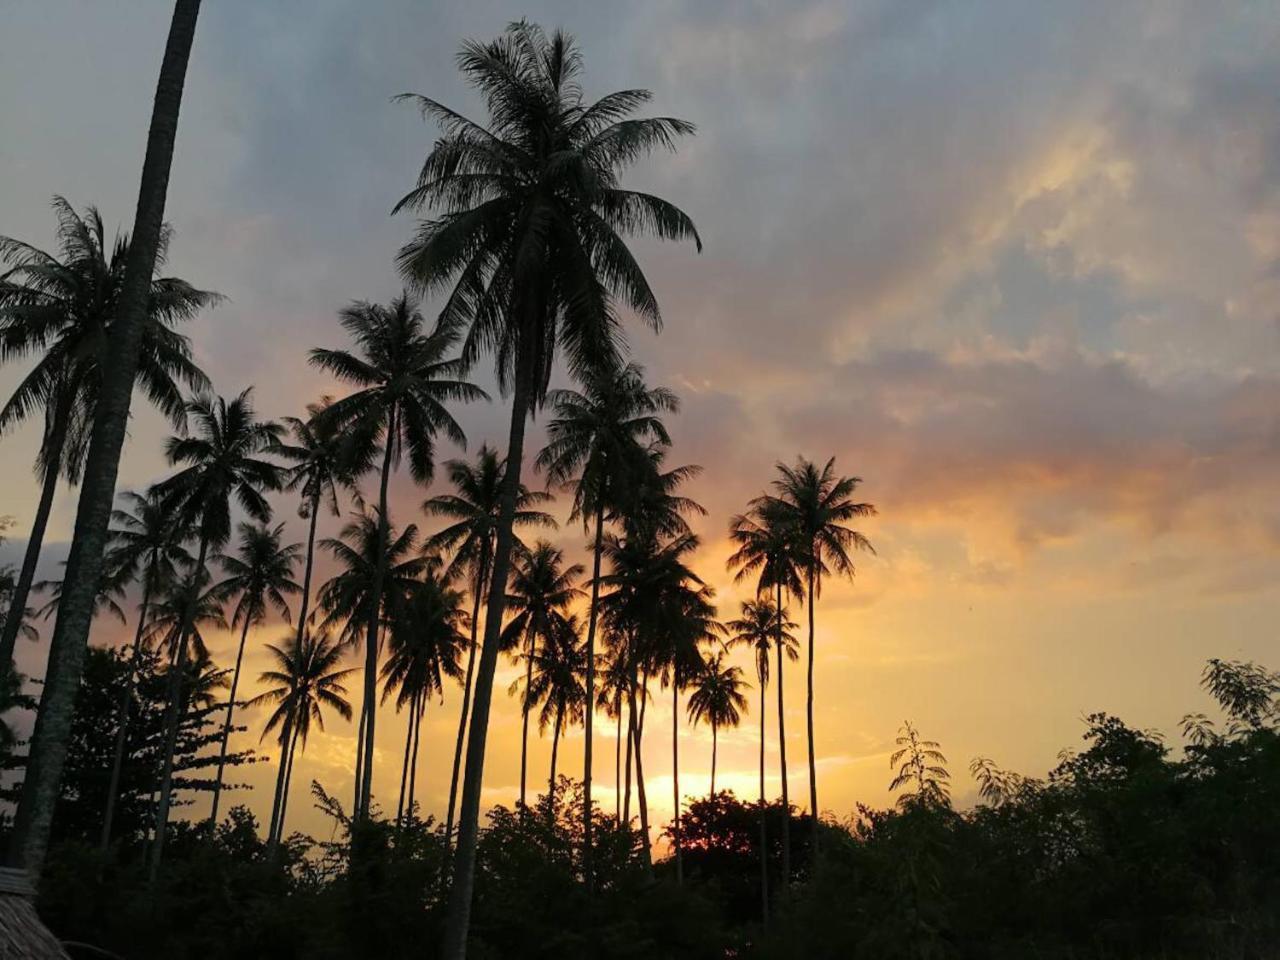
[
  {"x": 760, "y": 626},
  {"x": 62, "y": 308},
  {"x": 403, "y": 378},
  {"x": 373, "y": 568},
  {"x": 322, "y": 463},
  {"x": 427, "y": 635},
  {"x": 767, "y": 550},
  {"x": 661, "y": 611},
  {"x": 259, "y": 579},
  {"x": 693, "y": 624},
  {"x": 610, "y": 697},
  {"x": 717, "y": 699},
  {"x": 305, "y": 681},
  {"x": 815, "y": 505},
  {"x": 219, "y": 462},
  {"x": 474, "y": 509},
  {"x": 556, "y": 685},
  {"x": 147, "y": 545},
  {"x": 600, "y": 438},
  {"x": 529, "y": 239},
  {"x": 43, "y": 779},
  {"x": 538, "y": 598}
]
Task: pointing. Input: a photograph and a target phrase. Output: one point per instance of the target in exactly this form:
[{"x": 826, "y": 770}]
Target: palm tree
[
  {"x": 427, "y": 622},
  {"x": 403, "y": 379},
  {"x": 147, "y": 545},
  {"x": 659, "y": 611},
  {"x": 717, "y": 699},
  {"x": 767, "y": 549},
  {"x": 474, "y": 511},
  {"x": 610, "y": 697},
  {"x": 306, "y": 680},
  {"x": 63, "y": 309},
  {"x": 759, "y": 627},
  {"x": 529, "y": 237},
  {"x": 219, "y": 462},
  {"x": 323, "y": 462},
  {"x": 600, "y": 436},
  {"x": 43, "y": 779},
  {"x": 373, "y": 568},
  {"x": 815, "y": 505},
  {"x": 261, "y": 577},
  {"x": 539, "y": 598},
  {"x": 692, "y": 623},
  {"x": 189, "y": 605},
  {"x": 556, "y": 685}
]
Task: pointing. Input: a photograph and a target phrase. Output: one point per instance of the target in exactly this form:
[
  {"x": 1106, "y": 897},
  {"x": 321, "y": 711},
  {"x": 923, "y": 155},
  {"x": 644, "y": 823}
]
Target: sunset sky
[{"x": 1017, "y": 265}]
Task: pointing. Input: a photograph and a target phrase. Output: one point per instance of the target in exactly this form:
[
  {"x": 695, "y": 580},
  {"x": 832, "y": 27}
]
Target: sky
[{"x": 1016, "y": 265}]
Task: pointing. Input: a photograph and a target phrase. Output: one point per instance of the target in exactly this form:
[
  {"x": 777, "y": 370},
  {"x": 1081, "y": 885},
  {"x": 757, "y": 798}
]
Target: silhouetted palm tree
[
  {"x": 767, "y": 550},
  {"x": 556, "y": 685},
  {"x": 375, "y": 564},
  {"x": 42, "y": 783},
  {"x": 147, "y": 545},
  {"x": 659, "y": 611},
  {"x": 717, "y": 699},
  {"x": 611, "y": 695},
  {"x": 472, "y": 535},
  {"x": 815, "y": 505},
  {"x": 538, "y": 599},
  {"x": 530, "y": 239},
  {"x": 428, "y": 620},
  {"x": 596, "y": 444},
  {"x": 261, "y": 577},
  {"x": 62, "y": 310},
  {"x": 760, "y": 627},
  {"x": 323, "y": 462},
  {"x": 219, "y": 462},
  {"x": 403, "y": 377},
  {"x": 306, "y": 680}
]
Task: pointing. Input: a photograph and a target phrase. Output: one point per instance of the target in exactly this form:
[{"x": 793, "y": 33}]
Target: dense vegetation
[
  {"x": 1125, "y": 849},
  {"x": 1128, "y": 848}
]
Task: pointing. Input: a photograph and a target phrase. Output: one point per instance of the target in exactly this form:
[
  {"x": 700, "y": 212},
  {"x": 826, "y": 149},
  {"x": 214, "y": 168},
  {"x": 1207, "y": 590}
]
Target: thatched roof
[{"x": 22, "y": 935}]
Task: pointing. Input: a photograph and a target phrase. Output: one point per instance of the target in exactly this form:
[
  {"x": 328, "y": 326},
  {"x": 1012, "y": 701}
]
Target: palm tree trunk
[
  {"x": 813, "y": 765},
  {"x": 226, "y": 724},
  {"x": 122, "y": 730},
  {"x": 355, "y": 800},
  {"x": 173, "y": 715},
  {"x": 675, "y": 775},
  {"x": 43, "y": 780},
  {"x": 371, "y": 634},
  {"x": 524, "y": 720},
  {"x": 587, "y": 872},
  {"x": 22, "y": 589},
  {"x": 643, "y": 801},
  {"x": 617, "y": 762},
  {"x": 404, "y": 766},
  {"x": 782, "y": 752},
  {"x": 306, "y": 575},
  {"x": 288, "y": 782},
  {"x": 477, "y": 590},
  {"x": 626, "y": 796},
  {"x": 551, "y": 780},
  {"x": 413, "y": 761},
  {"x": 277, "y": 802},
  {"x": 761, "y": 676},
  {"x": 458, "y": 921},
  {"x": 714, "y": 730}
]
